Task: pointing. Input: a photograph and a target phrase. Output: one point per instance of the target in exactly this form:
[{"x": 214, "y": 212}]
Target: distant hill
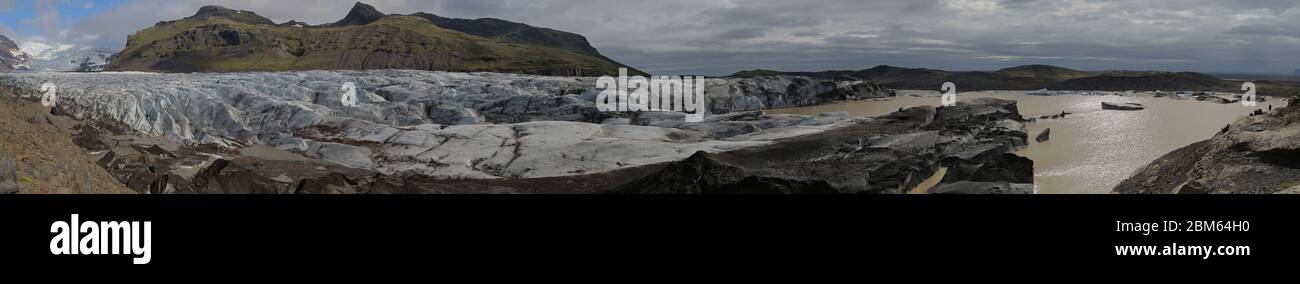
[
  {"x": 1146, "y": 81},
  {"x": 218, "y": 39},
  {"x": 1031, "y": 77},
  {"x": 1037, "y": 77},
  {"x": 1043, "y": 72}
]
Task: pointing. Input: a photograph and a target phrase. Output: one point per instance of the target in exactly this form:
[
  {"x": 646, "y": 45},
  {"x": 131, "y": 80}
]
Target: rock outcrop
[{"x": 1256, "y": 154}]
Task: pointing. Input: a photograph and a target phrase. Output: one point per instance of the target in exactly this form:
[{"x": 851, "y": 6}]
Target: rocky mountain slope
[
  {"x": 217, "y": 39},
  {"x": 513, "y": 32},
  {"x": 12, "y": 57},
  {"x": 1256, "y": 154}
]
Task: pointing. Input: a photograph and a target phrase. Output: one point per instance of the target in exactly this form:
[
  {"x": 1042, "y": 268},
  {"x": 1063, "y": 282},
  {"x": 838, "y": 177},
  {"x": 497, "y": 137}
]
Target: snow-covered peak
[
  {"x": 65, "y": 57},
  {"x": 42, "y": 51}
]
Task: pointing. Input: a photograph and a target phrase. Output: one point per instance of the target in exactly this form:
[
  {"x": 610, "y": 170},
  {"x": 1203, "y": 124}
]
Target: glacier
[{"x": 440, "y": 124}]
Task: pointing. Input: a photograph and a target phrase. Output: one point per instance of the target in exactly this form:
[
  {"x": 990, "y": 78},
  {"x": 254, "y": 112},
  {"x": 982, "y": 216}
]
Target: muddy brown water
[{"x": 1091, "y": 150}]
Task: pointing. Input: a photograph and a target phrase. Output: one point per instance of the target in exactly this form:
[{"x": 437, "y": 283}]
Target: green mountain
[{"x": 218, "y": 39}]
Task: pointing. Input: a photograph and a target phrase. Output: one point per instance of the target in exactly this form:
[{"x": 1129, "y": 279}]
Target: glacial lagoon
[{"x": 1091, "y": 150}]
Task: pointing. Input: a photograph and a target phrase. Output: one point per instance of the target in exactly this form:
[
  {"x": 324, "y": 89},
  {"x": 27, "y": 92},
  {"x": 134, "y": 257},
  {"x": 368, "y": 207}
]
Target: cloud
[
  {"x": 8, "y": 32},
  {"x": 722, "y": 36},
  {"x": 1280, "y": 29}
]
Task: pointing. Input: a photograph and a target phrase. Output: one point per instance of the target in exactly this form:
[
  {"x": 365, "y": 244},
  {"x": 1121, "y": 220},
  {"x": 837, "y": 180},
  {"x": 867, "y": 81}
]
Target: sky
[{"x": 718, "y": 37}]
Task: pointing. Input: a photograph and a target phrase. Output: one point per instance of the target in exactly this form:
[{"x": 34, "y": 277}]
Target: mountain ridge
[
  {"x": 360, "y": 15},
  {"x": 218, "y": 39},
  {"x": 1038, "y": 76}
]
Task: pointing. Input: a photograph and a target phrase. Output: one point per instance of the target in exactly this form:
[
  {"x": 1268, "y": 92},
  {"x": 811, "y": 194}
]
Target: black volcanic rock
[{"x": 360, "y": 15}]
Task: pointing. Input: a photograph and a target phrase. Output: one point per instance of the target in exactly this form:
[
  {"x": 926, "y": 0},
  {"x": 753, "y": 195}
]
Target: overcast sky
[{"x": 717, "y": 37}]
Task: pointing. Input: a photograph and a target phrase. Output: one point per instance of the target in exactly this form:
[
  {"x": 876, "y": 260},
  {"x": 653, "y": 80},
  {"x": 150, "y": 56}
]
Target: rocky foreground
[
  {"x": 1256, "y": 154},
  {"x": 38, "y": 155},
  {"x": 438, "y": 132}
]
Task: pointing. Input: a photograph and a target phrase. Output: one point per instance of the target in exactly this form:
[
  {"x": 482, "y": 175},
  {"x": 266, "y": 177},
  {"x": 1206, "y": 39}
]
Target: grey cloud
[
  {"x": 722, "y": 36},
  {"x": 1286, "y": 30},
  {"x": 743, "y": 33}
]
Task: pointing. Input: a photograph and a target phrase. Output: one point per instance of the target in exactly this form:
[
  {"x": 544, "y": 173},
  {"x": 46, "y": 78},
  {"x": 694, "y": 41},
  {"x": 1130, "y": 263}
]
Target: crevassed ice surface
[{"x": 465, "y": 125}]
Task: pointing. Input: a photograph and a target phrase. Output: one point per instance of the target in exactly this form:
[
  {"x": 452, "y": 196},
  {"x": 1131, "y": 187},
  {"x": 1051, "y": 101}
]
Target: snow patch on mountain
[{"x": 61, "y": 57}]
